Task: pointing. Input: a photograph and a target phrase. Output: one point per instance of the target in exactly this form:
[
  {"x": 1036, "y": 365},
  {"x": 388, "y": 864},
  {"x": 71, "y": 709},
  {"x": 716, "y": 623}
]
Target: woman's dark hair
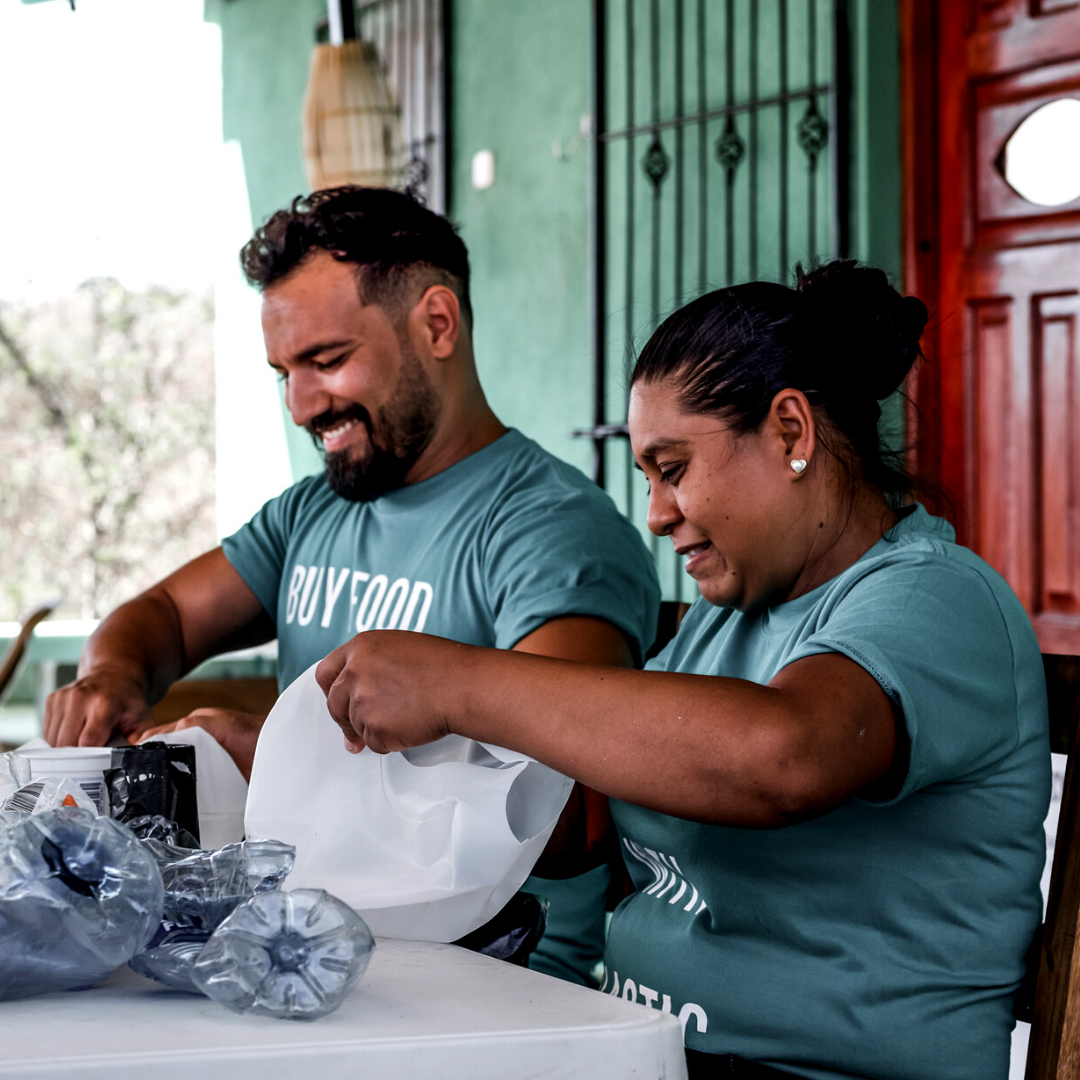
[
  {"x": 389, "y": 234},
  {"x": 843, "y": 336}
]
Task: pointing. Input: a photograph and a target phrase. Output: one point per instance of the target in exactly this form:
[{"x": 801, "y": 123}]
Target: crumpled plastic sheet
[
  {"x": 79, "y": 897},
  {"x": 47, "y": 794},
  {"x": 201, "y": 889},
  {"x": 156, "y": 827},
  {"x": 291, "y": 955}
]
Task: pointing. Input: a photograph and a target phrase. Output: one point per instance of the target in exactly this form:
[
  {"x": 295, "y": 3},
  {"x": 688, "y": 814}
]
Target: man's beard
[{"x": 403, "y": 429}]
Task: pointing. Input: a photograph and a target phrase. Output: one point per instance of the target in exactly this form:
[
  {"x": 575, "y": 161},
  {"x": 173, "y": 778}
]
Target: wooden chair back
[
  {"x": 1052, "y": 990},
  {"x": 16, "y": 650},
  {"x": 244, "y": 695},
  {"x": 667, "y": 623}
]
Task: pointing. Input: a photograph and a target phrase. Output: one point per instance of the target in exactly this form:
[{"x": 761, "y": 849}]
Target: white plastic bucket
[{"x": 86, "y": 764}]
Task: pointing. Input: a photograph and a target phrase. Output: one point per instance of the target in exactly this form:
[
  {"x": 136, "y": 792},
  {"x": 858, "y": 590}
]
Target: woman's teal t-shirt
[{"x": 881, "y": 940}]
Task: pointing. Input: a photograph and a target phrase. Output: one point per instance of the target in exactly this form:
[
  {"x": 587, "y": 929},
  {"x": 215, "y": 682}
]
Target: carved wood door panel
[{"x": 1000, "y": 271}]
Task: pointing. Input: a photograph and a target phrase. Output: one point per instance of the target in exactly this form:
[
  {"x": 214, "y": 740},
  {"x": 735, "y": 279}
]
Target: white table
[{"x": 421, "y": 1012}]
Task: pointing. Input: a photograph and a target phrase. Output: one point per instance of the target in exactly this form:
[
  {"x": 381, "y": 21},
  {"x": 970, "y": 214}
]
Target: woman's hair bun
[{"x": 867, "y": 334}]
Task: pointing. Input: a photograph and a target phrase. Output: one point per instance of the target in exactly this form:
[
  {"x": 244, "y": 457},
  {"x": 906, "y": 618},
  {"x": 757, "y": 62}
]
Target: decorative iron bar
[
  {"x": 711, "y": 119},
  {"x": 411, "y": 37}
]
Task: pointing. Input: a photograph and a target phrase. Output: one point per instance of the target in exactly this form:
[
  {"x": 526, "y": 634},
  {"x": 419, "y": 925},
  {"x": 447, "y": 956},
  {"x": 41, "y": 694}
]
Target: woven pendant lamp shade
[{"x": 351, "y": 126}]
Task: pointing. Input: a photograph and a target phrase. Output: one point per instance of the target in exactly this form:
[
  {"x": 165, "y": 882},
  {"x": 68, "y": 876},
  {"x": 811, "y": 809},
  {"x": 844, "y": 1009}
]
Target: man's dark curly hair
[{"x": 396, "y": 243}]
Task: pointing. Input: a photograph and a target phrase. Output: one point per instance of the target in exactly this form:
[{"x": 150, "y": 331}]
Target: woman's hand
[
  {"x": 238, "y": 732},
  {"x": 391, "y": 689}
]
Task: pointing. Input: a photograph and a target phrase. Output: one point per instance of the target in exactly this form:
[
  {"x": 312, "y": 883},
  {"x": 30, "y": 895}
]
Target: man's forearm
[{"x": 141, "y": 640}]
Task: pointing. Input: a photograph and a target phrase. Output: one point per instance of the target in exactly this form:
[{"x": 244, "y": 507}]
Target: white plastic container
[{"x": 86, "y": 764}]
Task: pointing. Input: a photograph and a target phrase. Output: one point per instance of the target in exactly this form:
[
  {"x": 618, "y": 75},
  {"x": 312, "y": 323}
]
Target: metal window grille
[
  {"x": 411, "y": 37},
  {"x": 720, "y": 154}
]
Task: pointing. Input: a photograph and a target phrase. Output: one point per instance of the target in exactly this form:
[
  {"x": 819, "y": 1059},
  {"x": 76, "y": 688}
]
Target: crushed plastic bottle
[
  {"x": 201, "y": 889},
  {"x": 79, "y": 897},
  {"x": 169, "y": 957},
  {"x": 291, "y": 955},
  {"x": 156, "y": 827}
]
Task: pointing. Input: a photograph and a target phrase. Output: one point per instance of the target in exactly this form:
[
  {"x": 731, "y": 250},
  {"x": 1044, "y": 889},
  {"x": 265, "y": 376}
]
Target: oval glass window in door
[{"x": 1041, "y": 158}]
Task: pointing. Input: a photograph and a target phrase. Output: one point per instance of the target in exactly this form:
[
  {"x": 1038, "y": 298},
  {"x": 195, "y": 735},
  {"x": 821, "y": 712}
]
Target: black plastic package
[
  {"x": 154, "y": 778},
  {"x": 513, "y": 934}
]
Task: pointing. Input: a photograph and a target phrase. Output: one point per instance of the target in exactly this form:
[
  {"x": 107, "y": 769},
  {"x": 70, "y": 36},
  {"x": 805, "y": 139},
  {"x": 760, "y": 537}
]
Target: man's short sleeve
[
  {"x": 563, "y": 552},
  {"x": 257, "y": 550},
  {"x": 933, "y": 633}
]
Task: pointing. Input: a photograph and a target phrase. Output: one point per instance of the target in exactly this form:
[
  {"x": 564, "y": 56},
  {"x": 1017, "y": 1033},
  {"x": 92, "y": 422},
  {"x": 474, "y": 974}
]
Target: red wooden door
[{"x": 1000, "y": 395}]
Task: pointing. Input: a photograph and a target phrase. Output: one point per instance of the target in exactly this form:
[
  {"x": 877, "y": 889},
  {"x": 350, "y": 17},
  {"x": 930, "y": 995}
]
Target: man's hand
[
  {"x": 387, "y": 689},
  {"x": 145, "y": 645},
  {"x": 87, "y": 711},
  {"x": 238, "y": 732}
]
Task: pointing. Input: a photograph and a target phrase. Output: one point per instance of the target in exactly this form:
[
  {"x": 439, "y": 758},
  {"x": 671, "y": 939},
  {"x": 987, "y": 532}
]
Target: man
[{"x": 430, "y": 516}]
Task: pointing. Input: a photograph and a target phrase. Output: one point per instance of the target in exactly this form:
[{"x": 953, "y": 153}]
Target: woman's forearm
[
  {"x": 692, "y": 746},
  {"x": 695, "y": 746}
]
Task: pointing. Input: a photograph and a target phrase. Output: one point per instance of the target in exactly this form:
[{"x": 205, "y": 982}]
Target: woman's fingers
[
  {"x": 329, "y": 668},
  {"x": 382, "y": 688},
  {"x": 137, "y": 737},
  {"x": 237, "y": 732}
]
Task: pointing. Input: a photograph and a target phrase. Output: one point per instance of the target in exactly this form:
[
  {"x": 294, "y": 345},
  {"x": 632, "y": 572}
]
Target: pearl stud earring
[{"x": 798, "y": 464}]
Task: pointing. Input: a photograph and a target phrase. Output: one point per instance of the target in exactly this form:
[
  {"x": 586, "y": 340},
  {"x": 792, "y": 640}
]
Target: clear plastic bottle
[
  {"x": 293, "y": 955},
  {"x": 79, "y": 896},
  {"x": 201, "y": 889}
]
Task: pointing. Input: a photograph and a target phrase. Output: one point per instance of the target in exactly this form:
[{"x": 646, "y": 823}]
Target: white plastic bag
[{"x": 426, "y": 844}]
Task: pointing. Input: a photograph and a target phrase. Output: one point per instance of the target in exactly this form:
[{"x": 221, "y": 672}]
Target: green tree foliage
[{"x": 107, "y": 444}]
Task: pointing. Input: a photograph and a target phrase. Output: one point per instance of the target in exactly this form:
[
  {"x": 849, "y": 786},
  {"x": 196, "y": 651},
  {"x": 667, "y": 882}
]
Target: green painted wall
[{"x": 521, "y": 79}]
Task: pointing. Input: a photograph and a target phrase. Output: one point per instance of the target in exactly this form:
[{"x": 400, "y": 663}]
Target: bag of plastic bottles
[
  {"x": 201, "y": 889},
  {"x": 79, "y": 897},
  {"x": 291, "y": 955}
]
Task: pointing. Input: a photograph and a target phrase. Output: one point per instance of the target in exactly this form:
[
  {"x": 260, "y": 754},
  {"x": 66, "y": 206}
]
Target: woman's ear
[
  {"x": 791, "y": 419},
  {"x": 437, "y": 320}
]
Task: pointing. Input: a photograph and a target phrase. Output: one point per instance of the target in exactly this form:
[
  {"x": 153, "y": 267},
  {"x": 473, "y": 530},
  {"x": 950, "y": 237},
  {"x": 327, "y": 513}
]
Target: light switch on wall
[{"x": 483, "y": 170}]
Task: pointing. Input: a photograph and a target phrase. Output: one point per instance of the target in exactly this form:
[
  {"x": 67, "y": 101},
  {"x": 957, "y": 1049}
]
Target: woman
[{"x": 830, "y": 787}]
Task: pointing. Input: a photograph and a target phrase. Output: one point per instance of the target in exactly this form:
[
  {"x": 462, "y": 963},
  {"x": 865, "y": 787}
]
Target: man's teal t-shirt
[
  {"x": 881, "y": 940},
  {"x": 484, "y": 552}
]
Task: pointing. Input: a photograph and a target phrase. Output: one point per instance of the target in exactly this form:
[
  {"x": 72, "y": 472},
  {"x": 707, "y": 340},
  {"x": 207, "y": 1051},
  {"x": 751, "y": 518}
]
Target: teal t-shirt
[
  {"x": 881, "y": 940},
  {"x": 484, "y": 552}
]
